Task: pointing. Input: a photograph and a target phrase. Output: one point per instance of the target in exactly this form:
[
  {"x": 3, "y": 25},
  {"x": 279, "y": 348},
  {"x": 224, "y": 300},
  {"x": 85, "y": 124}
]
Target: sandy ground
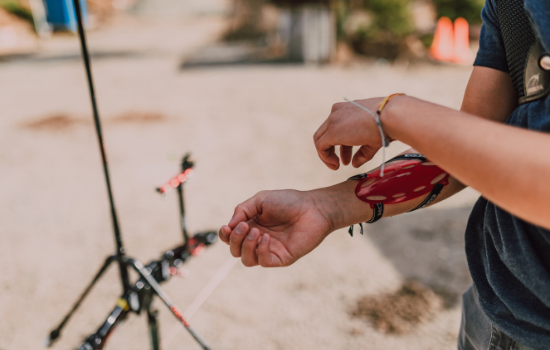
[{"x": 249, "y": 128}]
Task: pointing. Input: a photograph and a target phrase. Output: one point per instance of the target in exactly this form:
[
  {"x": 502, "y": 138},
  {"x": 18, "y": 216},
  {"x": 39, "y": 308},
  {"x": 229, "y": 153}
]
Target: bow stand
[{"x": 136, "y": 297}]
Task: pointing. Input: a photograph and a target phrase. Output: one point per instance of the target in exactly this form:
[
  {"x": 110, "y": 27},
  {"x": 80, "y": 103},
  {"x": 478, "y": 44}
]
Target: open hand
[{"x": 276, "y": 228}]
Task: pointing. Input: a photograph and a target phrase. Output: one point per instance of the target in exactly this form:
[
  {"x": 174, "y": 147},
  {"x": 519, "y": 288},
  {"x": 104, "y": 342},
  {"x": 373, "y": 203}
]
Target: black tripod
[{"x": 137, "y": 297}]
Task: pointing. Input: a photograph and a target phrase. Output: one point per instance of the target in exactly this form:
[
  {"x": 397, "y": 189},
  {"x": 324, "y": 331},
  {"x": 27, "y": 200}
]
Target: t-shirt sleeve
[
  {"x": 539, "y": 11},
  {"x": 491, "y": 46}
]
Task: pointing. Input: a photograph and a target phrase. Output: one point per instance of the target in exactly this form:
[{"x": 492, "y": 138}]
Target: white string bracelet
[{"x": 385, "y": 142}]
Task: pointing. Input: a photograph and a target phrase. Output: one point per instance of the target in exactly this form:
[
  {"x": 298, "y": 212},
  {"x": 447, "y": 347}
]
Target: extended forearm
[
  {"x": 508, "y": 165},
  {"x": 343, "y": 208}
]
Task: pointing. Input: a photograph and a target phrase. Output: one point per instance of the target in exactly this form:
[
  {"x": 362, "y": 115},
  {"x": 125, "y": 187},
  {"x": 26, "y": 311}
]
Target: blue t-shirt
[{"x": 509, "y": 258}]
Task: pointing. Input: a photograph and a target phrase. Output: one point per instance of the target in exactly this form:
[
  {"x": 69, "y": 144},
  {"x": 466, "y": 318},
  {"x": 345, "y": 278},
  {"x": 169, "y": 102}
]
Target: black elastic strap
[
  {"x": 359, "y": 177},
  {"x": 350, "y": 230},
  {"x": 378, "y": 209},
  {"x": 400, "y": 157},
  {"x": 433, "y": 195},
  {"x": 377, "y": 212},
  {"x": 408, "y": 156}
]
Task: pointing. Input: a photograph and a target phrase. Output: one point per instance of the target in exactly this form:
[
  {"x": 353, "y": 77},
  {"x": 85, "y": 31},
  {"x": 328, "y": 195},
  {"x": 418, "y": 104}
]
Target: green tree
[
  {"x": 390, "y": 16},
  {"x": 468, "y": 9},
  {"x": 14, "y": 7}
]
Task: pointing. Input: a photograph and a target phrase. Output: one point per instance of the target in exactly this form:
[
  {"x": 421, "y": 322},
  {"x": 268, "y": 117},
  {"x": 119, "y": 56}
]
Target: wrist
[
  {"x": 340, "y": 206},
  {"x": 389, "y": 115},
  {"x": 327, "y": 204}
]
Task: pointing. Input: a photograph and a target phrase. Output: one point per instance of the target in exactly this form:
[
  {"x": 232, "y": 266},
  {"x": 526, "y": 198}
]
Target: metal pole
[
  {"x": 182, "y": 213},
  {"x": 118, "y": 238},
  {"x": 146, "y": 275}
]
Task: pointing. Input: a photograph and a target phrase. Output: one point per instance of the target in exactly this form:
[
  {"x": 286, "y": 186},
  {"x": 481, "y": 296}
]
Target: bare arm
[
  {"x": 276, "y": 228},
  {"x": 509, "y": 166},
  {"x": 489, "y": 95}
]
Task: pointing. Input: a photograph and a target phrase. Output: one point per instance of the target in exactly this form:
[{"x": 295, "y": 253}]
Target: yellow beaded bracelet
[{"x": 386, "y": 100}]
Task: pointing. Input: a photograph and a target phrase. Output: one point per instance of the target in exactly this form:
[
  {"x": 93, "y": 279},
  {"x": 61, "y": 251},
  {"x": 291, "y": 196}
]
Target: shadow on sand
[
  {"x": 233, "y": 54},
  {"x": 428, "y": 246}
]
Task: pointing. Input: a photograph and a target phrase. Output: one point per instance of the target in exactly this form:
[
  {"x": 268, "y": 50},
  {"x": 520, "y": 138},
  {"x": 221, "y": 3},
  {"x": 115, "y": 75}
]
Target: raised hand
[
  {"x": 276, "y": 228},
  {"x": 348, "y": 126}
]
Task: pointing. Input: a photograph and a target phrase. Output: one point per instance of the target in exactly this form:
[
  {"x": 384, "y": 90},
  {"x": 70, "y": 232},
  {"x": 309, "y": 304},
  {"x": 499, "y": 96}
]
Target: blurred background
[{"x": 243, "y": 85}]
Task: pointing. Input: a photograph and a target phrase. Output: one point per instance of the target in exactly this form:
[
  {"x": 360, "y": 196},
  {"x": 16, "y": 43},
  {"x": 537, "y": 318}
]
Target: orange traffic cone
[
  {"x": 462, "y": 53},
  {"x": 443, "y": 45}
]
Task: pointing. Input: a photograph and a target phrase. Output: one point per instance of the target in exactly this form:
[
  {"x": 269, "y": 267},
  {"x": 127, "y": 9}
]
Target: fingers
[
  {"x": 363, "y": 155},
  {"x": 248, "y": 253},
  {"x": 324, "y": 127},
  {"x": 224, "y": 233},
  {"x": 321, "y": 131},
  {"x": 236, "y": 239},
  {"x": 243, "y": 212},
  {"x": 247, "y": 210},
  {"x": 265, "y": 257},
  {"x": 347, "y": 126},
  {"x": 345, "y": 154},
  {"x": 325, "y": 149}
]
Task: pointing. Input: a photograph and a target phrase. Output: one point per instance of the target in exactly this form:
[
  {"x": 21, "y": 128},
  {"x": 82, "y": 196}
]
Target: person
[{"x": 497, "y": 143}]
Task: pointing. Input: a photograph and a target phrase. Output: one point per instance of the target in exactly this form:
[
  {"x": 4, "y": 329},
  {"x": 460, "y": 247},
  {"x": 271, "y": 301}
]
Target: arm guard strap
[{"x": 409, "y": 179}]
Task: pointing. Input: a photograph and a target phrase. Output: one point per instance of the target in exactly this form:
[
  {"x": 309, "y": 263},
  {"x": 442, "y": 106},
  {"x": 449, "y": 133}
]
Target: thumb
[
  {"x": 247, "y": 210},
  {"x": 325, "y": 147}
]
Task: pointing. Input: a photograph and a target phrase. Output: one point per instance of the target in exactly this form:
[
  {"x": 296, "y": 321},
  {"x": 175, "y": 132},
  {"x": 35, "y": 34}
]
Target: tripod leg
[
  {"x": 152, "y": 319},
  {"x": 144, "y": 272},
  {"x": 153, "y": 329},
  {"x": 57, "y": 331}
]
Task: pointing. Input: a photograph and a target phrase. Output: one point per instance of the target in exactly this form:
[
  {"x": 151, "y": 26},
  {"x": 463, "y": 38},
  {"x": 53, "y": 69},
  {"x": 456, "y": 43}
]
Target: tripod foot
[
  {"x": 54, "y": 335},
  {"x": 50, "y": 339}
]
